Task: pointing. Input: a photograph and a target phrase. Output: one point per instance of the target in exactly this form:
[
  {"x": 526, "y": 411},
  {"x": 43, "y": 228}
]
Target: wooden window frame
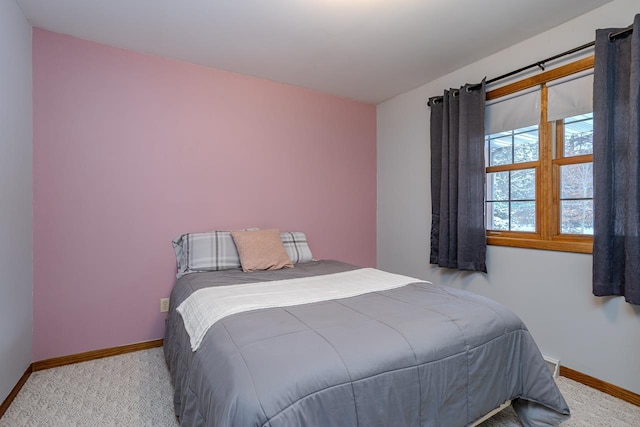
[{"x": 547, "y": 235}]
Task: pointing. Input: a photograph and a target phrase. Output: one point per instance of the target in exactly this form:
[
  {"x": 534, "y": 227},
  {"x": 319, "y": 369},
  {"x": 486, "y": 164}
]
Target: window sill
[{"x": 563, "y": 244}]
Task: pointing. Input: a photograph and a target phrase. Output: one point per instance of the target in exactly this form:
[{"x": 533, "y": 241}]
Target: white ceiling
[{"x": 368, "y": 50}]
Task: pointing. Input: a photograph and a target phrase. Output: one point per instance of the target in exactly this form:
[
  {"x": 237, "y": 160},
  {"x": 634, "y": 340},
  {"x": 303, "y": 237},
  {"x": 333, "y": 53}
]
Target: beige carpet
[{"x": 134, "y": 390}]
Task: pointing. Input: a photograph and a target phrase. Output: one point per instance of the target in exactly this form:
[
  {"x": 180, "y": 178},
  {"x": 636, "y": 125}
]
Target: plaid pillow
[
  {"x": 210, "y": 251},
  {"x": 295, "y": 243}
]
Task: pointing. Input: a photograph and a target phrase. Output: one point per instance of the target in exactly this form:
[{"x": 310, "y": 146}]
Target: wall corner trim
[
  {"x": 14, "y": 392},
  {"x": 603, "y": 386},
  {"x": 95, "y": 354}
]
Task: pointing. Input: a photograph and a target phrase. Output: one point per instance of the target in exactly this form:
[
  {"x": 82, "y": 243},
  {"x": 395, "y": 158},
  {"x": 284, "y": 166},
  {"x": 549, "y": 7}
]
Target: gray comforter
[{"x": 419, "y": 355}]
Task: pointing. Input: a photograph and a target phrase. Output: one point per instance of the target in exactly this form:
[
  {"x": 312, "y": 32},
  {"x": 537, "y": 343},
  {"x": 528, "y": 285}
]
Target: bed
[{"x": 412, "y": 354}]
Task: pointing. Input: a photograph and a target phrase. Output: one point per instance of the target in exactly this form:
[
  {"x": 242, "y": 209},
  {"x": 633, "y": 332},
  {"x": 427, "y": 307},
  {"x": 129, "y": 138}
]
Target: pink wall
[{"x": 131, "y": 150}]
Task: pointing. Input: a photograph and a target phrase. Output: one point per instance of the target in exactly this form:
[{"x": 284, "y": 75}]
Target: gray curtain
[
  {"x": 616, "y": 160},
  {"x": 458, "y": 236}
]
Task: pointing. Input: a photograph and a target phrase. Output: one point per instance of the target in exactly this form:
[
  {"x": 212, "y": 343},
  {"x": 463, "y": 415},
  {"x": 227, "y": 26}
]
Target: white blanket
[{"x": 205, "y": 307}]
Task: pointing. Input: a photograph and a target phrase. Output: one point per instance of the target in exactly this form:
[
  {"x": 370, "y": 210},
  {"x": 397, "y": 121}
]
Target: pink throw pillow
[{"x": 261, "y": 250}]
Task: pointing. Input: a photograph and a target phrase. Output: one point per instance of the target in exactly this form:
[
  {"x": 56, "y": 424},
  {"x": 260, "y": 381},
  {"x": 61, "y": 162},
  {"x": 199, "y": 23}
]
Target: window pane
[
  {"x": 523, "y": 184},
  {"x": 513, "y": 210},
  {"x": 578, "y": 135},
  {"x": 576, "y": 216},
  {"x": 523, "y": 216},
  {"x": 497, "y": 216},
  {"x": 498, "y": 186},
  {"x": 576, "y": 181},
  {"x": 516, "y": 146},
  {"x": 525, "y": 146},
  {"x": 500, "y": 151}
]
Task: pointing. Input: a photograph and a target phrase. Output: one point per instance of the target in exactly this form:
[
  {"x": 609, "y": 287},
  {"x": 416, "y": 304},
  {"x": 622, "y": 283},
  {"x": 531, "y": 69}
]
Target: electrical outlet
[{"x": 164, "y": 305}]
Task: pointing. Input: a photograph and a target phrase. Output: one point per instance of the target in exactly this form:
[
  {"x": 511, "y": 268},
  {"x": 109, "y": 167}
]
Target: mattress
[{"x": 416, "y": 355}]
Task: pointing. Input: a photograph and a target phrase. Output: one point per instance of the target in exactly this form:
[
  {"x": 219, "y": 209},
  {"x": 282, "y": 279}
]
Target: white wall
[
  {"x": 551, "y": 291},
  {"x": 15, "y": 196}
]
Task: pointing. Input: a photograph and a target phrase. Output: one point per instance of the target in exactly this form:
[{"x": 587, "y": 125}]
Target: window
[
  {"x": 511, "y": 179},
  {"x": 539, "y": 162},
  {"x": 574, "y": 167}
]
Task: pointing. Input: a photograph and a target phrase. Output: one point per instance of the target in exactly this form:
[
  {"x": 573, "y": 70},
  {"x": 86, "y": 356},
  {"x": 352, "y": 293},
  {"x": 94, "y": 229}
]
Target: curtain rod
[{"x": 540, "y": 64}]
